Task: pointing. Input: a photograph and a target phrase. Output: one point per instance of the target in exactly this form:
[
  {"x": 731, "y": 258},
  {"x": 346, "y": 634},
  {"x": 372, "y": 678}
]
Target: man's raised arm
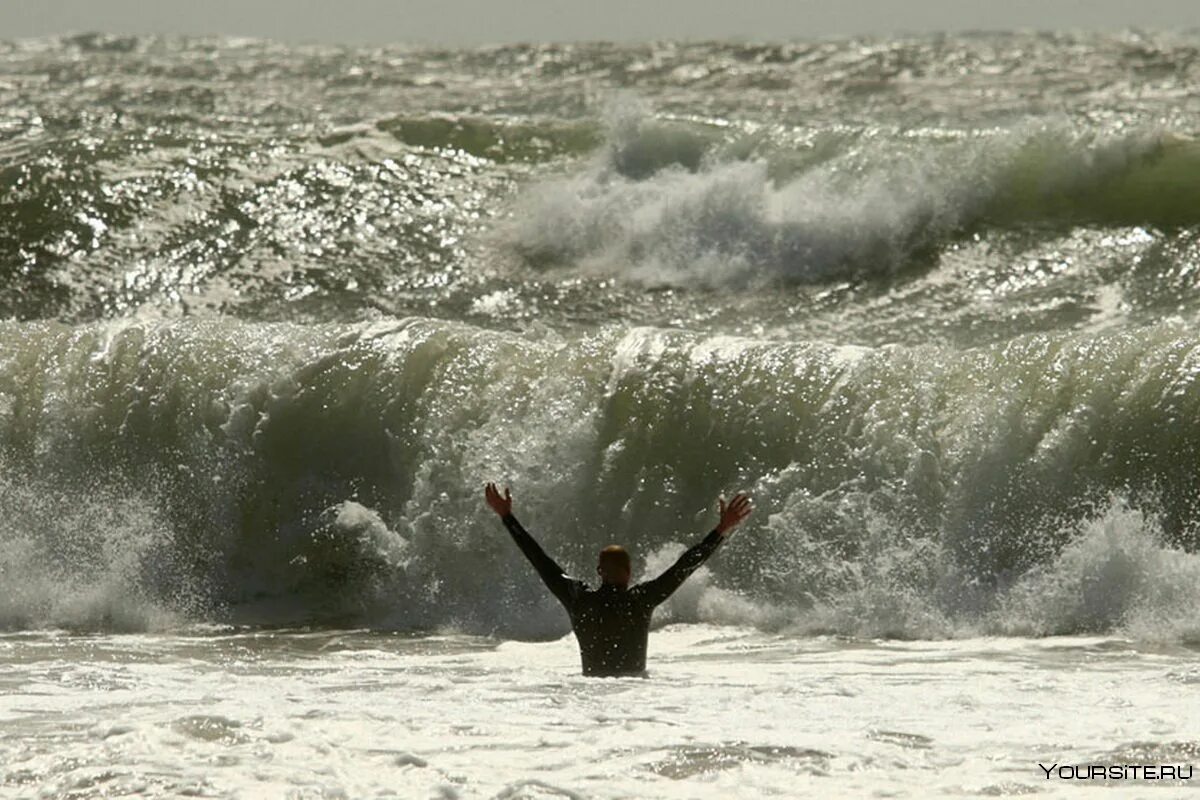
[
  {"x": 662, "y": 587},
  {"x": 551, "y": 573}
]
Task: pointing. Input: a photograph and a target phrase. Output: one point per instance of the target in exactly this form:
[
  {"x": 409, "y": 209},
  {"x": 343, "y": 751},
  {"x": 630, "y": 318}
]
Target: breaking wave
[
  {"x": 665, "y": 203},
  {"x": 163, "y": 473}
]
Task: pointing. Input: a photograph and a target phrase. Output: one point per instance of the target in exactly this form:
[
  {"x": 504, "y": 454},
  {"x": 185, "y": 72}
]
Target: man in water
[{"x": 612, "y": 623}]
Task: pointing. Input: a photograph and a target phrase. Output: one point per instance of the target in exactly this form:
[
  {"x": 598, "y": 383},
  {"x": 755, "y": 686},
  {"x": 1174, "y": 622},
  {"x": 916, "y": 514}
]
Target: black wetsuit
[{"x": 612, "y": 624}]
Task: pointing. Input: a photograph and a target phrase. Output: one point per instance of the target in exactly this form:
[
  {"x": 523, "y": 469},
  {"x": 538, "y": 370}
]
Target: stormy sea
[{"x": 271, "y": 315}]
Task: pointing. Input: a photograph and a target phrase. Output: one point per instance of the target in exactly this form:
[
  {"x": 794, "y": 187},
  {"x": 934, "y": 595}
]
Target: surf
[{"x": 276, "y": 473}]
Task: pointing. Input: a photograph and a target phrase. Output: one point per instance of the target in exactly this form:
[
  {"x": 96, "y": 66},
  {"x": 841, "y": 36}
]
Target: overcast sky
[{"x": 481, "y": 21}]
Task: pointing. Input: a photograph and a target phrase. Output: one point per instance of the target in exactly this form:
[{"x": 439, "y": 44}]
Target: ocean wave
[
  {"x": 500, "y": 141},
  {"x": 669, "y": 204},
  {"x": 158, "y": 473},
  {"x": 112, "y": 223},
  {"x": 401, "y": 212}
]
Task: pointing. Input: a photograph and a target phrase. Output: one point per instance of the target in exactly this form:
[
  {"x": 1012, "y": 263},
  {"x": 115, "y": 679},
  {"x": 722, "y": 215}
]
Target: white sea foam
[{"x": 725, "y": 712}]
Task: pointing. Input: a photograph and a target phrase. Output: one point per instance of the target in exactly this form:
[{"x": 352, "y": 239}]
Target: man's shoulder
[
  {"x": 578, "y": 588},
  {"x": 638, "y": 591}
]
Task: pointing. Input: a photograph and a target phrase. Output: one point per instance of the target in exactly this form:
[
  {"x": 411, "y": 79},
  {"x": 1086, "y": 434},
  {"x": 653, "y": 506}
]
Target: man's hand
[
  {"x": 732, "y": 514},
  {"x": 501, "y": 505}
]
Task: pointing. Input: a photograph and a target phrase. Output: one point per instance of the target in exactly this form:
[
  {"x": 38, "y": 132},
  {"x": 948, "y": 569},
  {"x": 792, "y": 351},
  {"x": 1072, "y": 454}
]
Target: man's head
[{"x": 615, "y": 566}]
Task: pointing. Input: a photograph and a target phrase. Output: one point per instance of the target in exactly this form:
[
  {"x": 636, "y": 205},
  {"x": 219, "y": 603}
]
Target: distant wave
[
  {"x": 233, "y": 221},
  {"x": 667, "y": 203},
  {"x": 349, "y": 219},
  {"x": 498, "y": 141},
  {"x": 217, "y": 471}
]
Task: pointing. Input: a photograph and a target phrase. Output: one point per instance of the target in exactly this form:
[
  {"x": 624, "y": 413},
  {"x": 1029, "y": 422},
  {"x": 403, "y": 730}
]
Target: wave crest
[{"x": 662, "y": 205}]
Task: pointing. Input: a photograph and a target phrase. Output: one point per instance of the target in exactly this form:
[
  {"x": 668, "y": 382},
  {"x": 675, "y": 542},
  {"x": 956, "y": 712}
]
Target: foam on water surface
[{"x": 725, "y": 712}]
